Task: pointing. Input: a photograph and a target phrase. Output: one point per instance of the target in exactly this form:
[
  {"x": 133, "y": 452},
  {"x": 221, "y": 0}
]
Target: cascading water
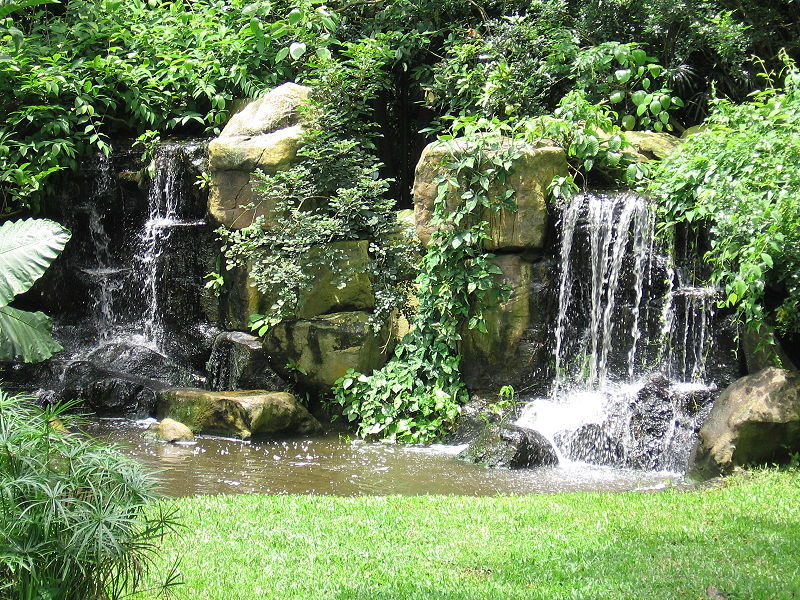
[{"x": 631, "y": 342}]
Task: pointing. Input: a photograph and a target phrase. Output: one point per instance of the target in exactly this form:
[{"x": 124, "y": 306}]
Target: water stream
[{"x": 632, "y": 341}]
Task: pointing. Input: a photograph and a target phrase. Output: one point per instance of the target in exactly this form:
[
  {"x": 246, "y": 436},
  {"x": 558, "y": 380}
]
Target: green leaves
[{"x": 27, "y": 248}]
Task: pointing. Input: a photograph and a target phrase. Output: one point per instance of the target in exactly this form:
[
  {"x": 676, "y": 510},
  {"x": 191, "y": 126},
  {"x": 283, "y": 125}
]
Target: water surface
[{"x": 333, "y": 465}]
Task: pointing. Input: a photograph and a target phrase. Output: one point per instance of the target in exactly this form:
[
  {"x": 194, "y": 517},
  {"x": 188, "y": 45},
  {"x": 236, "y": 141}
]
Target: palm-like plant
[{"x": 27, "y": 248}]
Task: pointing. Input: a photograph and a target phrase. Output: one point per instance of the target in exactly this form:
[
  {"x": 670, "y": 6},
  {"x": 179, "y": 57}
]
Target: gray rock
[
  {"x": 511, "y": 447},
  {"x": 239, "y": 362},
  {"x": 754, "y": 421}
]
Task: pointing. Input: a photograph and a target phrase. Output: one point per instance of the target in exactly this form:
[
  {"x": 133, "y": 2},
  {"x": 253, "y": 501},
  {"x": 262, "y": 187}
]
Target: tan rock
[
  {"x": 756, "y": 420},
  {"x": 653, "y": 145},
  {"x": 521, "y": 229},
  {"x": 319, "y": 351},
  {"x": 240, "y": 414},
  {"x": 275, "y": 110},
  {"x": 170, "y": 430},
  {"x": 325, "y": 296}
]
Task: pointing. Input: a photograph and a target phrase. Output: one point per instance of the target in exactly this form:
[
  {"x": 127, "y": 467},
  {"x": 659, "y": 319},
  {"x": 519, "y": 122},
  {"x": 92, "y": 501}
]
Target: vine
[{"x": 417, "y": 395}]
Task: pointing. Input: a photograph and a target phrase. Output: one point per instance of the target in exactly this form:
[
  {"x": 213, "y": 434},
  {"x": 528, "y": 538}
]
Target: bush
[
  {"x": 739, "y": 178},
  {"x": 77, "y": 520}
]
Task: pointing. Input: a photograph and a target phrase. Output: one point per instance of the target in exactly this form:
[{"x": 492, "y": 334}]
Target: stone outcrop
[
  {"x": 511, "y": 447},
  {"x": 515, "y": 348},
  {"x": 754, "y": 421},
  {"x": 241, "y": 414},
  {"x": 170, "y": 430},
  {"x": 239, "y": 362},
  {"x": 349, "y": 290},
  {"x": 532, "y": 172},
  {"x": 265, "y": 135},
  {"x": 653, "y": 145},
  {"x": 316, "y": 352}
]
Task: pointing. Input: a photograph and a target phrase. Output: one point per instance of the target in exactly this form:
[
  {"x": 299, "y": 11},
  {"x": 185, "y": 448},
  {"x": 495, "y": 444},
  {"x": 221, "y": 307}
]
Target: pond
[{"x": 334, "y": 465}]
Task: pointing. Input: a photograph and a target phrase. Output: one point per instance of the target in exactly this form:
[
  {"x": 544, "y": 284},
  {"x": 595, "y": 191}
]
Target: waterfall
[{"x": 632, "y": 340}]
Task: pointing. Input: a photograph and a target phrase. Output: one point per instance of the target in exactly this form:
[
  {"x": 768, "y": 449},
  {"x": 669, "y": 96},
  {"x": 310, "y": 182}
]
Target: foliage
[
  {"x": 739, "y": 178},
  {"x": 416, "y": 396},
  {"x": 27, "y": 247},
  {"x": 77, "y": 519},
  {"x": 334, "y": 193},
  {"x": 104, "y": 67}
]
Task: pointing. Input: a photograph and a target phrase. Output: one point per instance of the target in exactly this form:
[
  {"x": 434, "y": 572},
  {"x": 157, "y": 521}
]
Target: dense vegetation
[
  {"x": 741, "y": 539},
  {"x": 77, "y": 74},
  {"x": 77, "y": 519}
]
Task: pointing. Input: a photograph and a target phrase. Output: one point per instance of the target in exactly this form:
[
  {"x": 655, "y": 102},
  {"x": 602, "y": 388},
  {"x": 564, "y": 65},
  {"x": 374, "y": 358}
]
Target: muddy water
[{"x": 336, "y": 466}]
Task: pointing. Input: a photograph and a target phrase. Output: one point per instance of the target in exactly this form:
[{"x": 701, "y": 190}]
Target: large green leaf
[
  {"x": 26, "y": 336},
  {"x": 27, "y": 247},
  {"x": 8, "y": 8}
]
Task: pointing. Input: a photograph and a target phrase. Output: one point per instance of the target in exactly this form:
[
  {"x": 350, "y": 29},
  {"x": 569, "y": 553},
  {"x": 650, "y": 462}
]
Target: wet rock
[
  {"x": 239, "y": 362},
  {"x": 762, "y": 350},
  {"x": 591, "y": 443},
  {"x": 141, "y": 361},
  {"x": 241, "y": 414},
  {"x": 265, "y": 135},
  {"x": 316, "y": 352},
  {"x": 754, "y": 421},
  {"x": 510, "y": 446},
  {"x": 652, "y": 415},
  {"x": 348, "y": 288},
  {"x": 110, "y": 393},
  {"x": 169, "y": 430},
  {"x": 509, "y": 230},
  {"x": 473, "y": 419}
]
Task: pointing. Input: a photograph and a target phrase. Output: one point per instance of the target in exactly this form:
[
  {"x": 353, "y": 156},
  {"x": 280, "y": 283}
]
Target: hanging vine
[{"x": 417, "y": 395}]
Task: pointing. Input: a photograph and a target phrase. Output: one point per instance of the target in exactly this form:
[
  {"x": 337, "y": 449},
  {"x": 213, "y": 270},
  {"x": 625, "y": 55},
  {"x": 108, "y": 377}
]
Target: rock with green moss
[
  {"x": 316, "y": 352},
  {"x": 514, "y": 350},
  {"x": 349, "y": 288},
  {"x": 653, "y": 145},
  {"x": 241, "y": 414},
  {"x": 265, "y": 135},
  {"x": 756, "y": 420},
  {"x": 532, "y": 172},
  {"x": 510, "y": 447}
]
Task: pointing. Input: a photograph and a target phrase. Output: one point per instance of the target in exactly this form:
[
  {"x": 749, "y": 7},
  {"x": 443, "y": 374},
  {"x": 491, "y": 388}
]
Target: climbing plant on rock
[{"x": 416, "y": 396}]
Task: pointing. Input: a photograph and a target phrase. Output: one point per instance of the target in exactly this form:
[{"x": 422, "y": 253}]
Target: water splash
[{"x": 631, "y": 335}]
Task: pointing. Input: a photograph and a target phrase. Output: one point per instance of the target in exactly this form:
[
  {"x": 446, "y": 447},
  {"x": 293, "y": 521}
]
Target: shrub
[{"x": 77, "y": 520}]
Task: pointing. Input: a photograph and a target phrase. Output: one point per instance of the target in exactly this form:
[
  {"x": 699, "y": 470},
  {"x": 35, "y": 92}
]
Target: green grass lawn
[{"x": 743, "y": 538}]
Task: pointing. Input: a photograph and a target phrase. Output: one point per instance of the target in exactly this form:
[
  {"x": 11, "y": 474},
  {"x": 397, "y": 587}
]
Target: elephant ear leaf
[
  {"x": 26, "y": 335},
  {"x": 27, "y": 247}
]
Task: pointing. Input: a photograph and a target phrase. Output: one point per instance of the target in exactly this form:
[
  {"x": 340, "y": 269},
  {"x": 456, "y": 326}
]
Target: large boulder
[
  {"x": 265, "y": 135},
  {"x": 316, "y": 352},
  {"x": 651, "y": 145},
  {"x": 532, "y": 172},
  {"x": 349, "y": 289},
  {"x": 241, "y": 414},
  {"x": 515, "y": 348},
  {"x": 238, "y": 361},
  {"x": 511, "y": 447},
  {"x": 754, "y": 421}
]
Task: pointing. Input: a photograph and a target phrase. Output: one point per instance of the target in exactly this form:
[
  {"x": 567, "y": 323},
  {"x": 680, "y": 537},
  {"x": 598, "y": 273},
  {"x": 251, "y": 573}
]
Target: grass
[{"x": 743, "y": 538}]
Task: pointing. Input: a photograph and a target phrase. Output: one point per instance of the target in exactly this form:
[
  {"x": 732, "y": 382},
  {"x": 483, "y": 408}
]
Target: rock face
[
  {"x": 169, "y": 430},
  {"x": 515, "y": 348},
  {"x": 316, "y": 352},
  {"x": 755, "y": 420},
  {"x": 510, "y": 446},
  {"x": 653, "y": 145},
  {"x": 350, "y": 290},
  {"x": 265, "y": 135},
  {"x": 242, "y": 414},
  {"x": 532, "y": 172},
  {"x": 238, "y": 362}
]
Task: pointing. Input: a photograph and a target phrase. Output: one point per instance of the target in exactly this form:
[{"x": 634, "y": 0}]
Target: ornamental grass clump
[{"x": 78, "y": 520}]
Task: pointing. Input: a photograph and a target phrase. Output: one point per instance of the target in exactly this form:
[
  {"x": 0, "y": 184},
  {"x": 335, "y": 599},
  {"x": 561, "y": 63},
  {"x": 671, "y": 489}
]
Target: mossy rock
[{"x": 510, "y": 447}]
